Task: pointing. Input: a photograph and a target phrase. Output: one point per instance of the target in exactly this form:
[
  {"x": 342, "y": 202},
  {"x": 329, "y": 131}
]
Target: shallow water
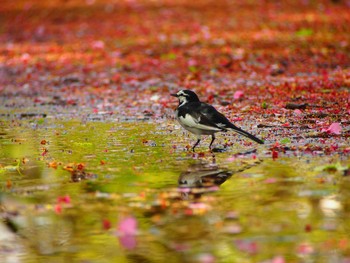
[{"x": 69, "y": 187}]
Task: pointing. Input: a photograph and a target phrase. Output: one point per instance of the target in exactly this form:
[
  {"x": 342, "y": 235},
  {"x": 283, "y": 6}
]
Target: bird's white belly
[
  {"x": 199, "y": 131},
  {"x": 195, "y": 128}
]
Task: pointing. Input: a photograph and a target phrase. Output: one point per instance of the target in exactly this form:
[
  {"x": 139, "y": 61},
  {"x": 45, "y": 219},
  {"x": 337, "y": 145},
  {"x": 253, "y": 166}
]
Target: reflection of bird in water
[
  {"x": 203, "y": 175},
  {"x": 200, "y": 178}
]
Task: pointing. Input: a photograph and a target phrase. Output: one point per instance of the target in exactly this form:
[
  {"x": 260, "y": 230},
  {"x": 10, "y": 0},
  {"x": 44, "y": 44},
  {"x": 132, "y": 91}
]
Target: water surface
[{"x": 69, "y": 187}]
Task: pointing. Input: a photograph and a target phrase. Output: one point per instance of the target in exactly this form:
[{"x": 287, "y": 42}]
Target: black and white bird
[{"x": 203, "y": 119}]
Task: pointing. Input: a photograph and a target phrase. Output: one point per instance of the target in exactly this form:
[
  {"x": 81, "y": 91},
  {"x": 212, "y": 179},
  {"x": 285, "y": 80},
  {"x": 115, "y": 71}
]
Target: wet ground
[{"x": 86, "y": 190}]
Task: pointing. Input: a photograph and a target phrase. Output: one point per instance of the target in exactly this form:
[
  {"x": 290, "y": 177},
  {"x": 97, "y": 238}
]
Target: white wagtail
[{"x": 203, "y": 119}]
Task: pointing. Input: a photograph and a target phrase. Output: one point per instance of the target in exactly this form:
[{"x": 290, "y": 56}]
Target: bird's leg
[
  {"x": 212, "y": 140},
  {"x": 194, "y": 146}
]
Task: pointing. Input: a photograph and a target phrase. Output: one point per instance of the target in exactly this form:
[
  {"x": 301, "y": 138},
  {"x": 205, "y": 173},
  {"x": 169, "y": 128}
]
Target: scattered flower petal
[
  {"x": 127, "y": 226},
  {"x": 238, "y": 95},
  {"x": 334, "y": 128}
]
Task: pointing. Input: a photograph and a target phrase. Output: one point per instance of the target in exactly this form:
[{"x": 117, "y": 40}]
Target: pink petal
[
  {"x": 64, "y": 199},
  {"x": 58, "y": 209},
  {"x": 270, "y": 180},
  {"x": 25, "y": 57},
  {"x": 298, "y": 112},
  {"x": 334, "y": 128},
  {"x": 247, "y": 246},
  {"x": 99, "y": 44},
  {"x": 206, "y": 258},
  {"x": 127, "y": 229},
  {"x": 128, "y": 226},
  {"x": 238, "y": 94},
  {"x": 231, "y": 159},
  {"x": 192, "y": 62},
  {"x": 128, "y": 241},
  {"x": 278, "y": 259},
  {"x": 305, "y": 249}
]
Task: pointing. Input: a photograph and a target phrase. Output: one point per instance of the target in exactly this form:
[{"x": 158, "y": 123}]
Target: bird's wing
[
  {"x": 222, "y": 122},
  {"x": 203, "y": 116},
  {"x": 214, "y": 117}
]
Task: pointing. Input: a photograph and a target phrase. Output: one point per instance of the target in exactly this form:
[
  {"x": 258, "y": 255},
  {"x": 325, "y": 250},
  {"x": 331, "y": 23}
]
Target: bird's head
[{"x": 185, "y": 96}]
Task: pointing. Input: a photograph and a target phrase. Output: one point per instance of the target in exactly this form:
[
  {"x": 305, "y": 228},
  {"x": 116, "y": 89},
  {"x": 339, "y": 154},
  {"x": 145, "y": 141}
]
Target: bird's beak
[{"x": 174, "y": 95}]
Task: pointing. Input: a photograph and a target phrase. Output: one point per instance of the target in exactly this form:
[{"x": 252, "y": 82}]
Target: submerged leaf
[
  {"x": 304, "y": 32},
  {"x": 331, "y": 167},
  {"x": 285, "y": 140}
]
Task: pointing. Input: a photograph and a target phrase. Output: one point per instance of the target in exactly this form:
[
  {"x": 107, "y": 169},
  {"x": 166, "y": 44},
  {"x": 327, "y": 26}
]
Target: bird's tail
[{"x": 246, "y": 134}]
